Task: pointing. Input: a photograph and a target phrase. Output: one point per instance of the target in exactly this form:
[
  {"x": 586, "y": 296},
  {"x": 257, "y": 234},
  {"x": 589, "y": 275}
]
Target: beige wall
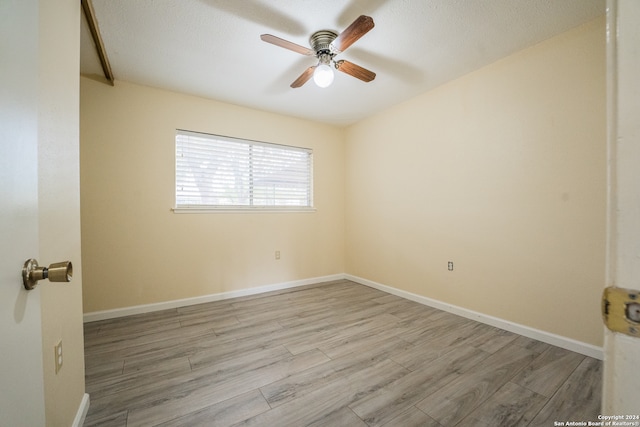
[
  {"x": 137, "y": 251},
  {"x": 59, "y": 205},
  {"x": 502, "y": 172}
]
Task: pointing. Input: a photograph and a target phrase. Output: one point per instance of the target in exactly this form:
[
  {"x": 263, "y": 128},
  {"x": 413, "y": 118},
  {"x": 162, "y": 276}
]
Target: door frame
[{"x": 621, "y": 378}]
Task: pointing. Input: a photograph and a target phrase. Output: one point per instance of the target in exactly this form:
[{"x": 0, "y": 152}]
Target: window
[{"x": 219, "y": 172}]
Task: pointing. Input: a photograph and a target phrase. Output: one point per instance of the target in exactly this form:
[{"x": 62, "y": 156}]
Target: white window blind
[{"x": 215, "y": 171}]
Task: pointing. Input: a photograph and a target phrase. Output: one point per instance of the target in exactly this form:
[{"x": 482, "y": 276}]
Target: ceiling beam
[{"x": 89, "y": 13}]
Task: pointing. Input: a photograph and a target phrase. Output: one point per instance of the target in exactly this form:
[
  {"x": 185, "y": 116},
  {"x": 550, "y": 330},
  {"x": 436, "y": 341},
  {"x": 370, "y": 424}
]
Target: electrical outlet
[
  {"x": 58, "y": 355},
  {"x": 450, "y": 265},
  {"x": 277, "y": 254}
]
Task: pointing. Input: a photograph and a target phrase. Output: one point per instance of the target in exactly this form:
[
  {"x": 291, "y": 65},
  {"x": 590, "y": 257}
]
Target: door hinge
[{"x": 621, "y": 310}]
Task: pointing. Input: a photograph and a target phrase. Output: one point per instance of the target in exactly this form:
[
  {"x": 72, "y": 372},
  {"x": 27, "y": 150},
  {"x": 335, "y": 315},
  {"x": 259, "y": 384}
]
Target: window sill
[{"x": 236, "y": 209}]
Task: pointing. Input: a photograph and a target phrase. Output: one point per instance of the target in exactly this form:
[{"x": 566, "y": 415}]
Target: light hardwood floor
[{"x": 331, "y": 354}]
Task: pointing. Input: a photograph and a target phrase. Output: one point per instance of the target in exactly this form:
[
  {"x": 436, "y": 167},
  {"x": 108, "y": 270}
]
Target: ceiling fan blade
[
  {"x": 304, "y": 77},
  {"x": 352, "y": 33},
  {"x": 355, "y": 70},
  {"x": 286, "y": 44}
]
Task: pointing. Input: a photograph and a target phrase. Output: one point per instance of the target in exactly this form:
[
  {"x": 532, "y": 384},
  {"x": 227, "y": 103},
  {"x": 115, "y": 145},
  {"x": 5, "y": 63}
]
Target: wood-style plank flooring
[{"x": 331, "y": 354}]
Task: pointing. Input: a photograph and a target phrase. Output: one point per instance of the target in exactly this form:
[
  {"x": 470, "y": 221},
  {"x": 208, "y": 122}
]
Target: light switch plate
[{"x": 58, "y": 355}]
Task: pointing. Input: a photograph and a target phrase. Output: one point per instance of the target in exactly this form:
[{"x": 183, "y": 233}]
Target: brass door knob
[{"x": 56, "y": 272}]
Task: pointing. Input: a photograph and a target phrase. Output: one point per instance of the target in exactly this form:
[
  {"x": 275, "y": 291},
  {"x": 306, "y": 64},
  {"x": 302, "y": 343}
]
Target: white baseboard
[
  {"x": 553, "y": 339},
  {"x": 547, "y": 337},
  {"x": 78, "y": 421},
  {"x": 147, "y": 308}
]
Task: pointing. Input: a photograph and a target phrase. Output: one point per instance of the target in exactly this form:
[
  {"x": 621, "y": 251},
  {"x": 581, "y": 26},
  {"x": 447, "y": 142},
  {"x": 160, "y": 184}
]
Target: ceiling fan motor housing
[{"x": 320, "y": 41}]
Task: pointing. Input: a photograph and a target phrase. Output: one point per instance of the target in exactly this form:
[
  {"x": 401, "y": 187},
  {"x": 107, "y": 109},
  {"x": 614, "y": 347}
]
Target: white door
[
  {"x": 621, "y": 387},
  {"x": 21, "y": 369}
]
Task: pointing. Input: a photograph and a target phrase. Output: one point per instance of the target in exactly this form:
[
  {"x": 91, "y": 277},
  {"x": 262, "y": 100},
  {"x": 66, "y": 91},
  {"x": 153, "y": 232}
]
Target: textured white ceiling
[{"x": 212, "y": 48}]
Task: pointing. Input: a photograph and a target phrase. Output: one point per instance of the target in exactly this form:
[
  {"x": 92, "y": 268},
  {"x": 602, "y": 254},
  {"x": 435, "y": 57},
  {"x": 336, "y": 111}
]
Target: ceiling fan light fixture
[
  {"x": 323, "y": 75},
  {"x": 325, "y": 45}
]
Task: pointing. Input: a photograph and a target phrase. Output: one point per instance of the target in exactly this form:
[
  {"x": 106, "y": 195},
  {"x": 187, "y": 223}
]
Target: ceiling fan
[{"x": 325, "y": 45}]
